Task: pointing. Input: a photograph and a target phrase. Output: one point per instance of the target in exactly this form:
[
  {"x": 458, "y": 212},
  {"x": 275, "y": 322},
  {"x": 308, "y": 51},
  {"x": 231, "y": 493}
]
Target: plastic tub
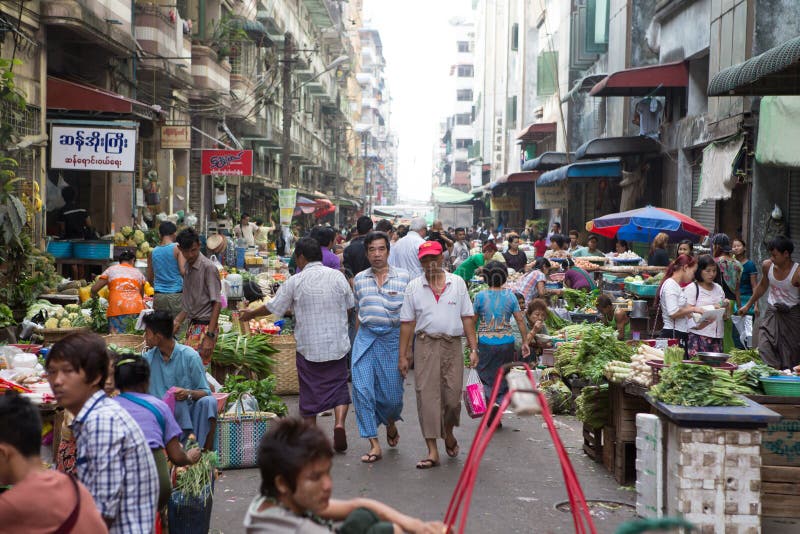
[
  {"x": 93, "y": 250},
  {"x": 781, "y": 386},
  {"x": 60, "y": 249}
]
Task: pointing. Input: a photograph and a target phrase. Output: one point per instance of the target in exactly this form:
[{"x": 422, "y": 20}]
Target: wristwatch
[
  {"x": 212, "y": 335},
  {"x": 189, "y": 396}
]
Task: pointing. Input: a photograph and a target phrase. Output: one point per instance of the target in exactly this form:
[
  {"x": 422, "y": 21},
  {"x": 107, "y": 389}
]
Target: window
[
  {"x": 546, "y": 66},
  {"x": 597, "y": 26},
  {"x": 511, "y": 111},
  {"x": 462, "y": 166},
  {"x": 464, "y": 95},
  {"x": 463, "y": 46},
  {"x": 463, "y": 143},
  {"x": 465, "y": 71},
  {"x": 464, "y": 118},
  {"x": 515, "y": 36}
]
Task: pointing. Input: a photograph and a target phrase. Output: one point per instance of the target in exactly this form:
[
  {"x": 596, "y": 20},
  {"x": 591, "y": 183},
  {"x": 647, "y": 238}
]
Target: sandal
[
  {"x": 339, "y": 439},
  {"x": 427, "y": 463},
  {"x": 451, "y": 450},
  {"x": 371, "y": 458},
  {"x": 393, "y": 439}
]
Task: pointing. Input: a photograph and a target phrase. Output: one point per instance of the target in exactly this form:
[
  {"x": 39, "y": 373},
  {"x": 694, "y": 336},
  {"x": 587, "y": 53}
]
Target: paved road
[{"x": 518, "y": 486}]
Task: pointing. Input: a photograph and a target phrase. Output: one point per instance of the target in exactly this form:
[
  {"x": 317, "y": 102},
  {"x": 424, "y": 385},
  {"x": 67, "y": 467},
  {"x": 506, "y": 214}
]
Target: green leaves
[{"x": 687, "y": 384}]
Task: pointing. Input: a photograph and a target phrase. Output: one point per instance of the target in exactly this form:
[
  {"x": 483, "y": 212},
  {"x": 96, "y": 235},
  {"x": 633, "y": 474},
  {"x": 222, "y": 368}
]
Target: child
[{"x": 540, "y": 245}]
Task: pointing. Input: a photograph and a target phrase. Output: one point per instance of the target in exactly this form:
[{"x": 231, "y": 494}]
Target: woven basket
[
  {"x": 51, "y": 335},
  {"x": 126, "y": 341},
  {"x": 285, "y": 367}
]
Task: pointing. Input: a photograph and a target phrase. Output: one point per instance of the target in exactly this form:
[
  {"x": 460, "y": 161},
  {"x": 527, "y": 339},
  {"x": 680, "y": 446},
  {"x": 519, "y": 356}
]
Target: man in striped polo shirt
[{"x": 377, "y": 382}]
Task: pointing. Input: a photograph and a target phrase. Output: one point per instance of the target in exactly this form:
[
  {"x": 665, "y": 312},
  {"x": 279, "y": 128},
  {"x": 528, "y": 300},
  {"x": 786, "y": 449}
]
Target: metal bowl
[{"x": 713, "y": 358}]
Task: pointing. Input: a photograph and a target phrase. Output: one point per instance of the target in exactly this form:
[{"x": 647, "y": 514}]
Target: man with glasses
[{"x": 377, "y": 382}]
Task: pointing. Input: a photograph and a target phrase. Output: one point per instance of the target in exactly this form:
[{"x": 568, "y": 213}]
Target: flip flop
[
  {"x": 339, "y": 439},
  {"x": 370, "y": 458},
  {"x": 427, "y": 463},
  {"x": 394, "y": 439},
  {"x": 452, "y": 451}
]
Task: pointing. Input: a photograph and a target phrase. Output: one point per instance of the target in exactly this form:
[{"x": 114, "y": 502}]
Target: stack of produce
[
  {"x": 566, "y": 355},
  {"x": 558, "y": 395},
  {"x": 743, "y": 356},
  {"x": 618, "y": 372},
  {"x": 592, "y": 406},
  {"x": 577, "y": 300},
  {"x": 251, "y": 353},
  {"x": 128, "y": 237},
  {"x": 262, "y": 390},
  {"x": 748, "y": 377},
  {"x": 687, "y": 384},
  {"x": 598, "y": 346}
]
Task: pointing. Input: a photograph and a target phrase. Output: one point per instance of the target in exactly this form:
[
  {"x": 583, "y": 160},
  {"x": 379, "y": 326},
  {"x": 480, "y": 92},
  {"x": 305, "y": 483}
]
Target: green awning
[
  {"x": 775, "y": 72},
  {"x": 254, "y": 29},
  {"x": 448, "y": 195}
]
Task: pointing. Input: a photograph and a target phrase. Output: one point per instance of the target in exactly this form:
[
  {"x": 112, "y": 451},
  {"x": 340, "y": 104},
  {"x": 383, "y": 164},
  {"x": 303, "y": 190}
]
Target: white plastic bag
[
  {"x": 246, "y": 403},
  {"x": 53, "y": 199},
  {"x": 744, "y": 325}
]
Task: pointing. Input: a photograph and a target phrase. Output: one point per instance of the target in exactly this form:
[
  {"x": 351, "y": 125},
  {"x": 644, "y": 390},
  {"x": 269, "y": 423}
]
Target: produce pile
[
  {"x": 250, "y": 353},
  {"x": 687, "y": 384},
  {"x": 262, "y": 390},
  {"x": 586, "y": 263},
  {"x": 637, "y": 371},
  {"x": 128, "y": 237},
  {"x": 588, "y": 357},
  {"x": 592, "y": 406},
  {"x": 54, "y": 316},
  {"x": 651, "y": 280},
  {"x": 6, "y": 316},
  {"x": 577, "y": 300},
  {"x": 558, "y": 395},
  {"x": 742, "y": 356},
  {"x": 194, "y": 481}
]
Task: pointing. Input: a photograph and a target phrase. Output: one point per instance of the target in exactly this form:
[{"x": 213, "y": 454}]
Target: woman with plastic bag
[{"x": 494, "y": 308}]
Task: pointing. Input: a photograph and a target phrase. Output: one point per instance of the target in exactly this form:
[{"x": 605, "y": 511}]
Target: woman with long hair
[
  {"x": 672, "y": 301},
  {"x": 706, "y": 336},
  {"x": 747, "y": 282},
  {"x": 658, "y": 256},
  {"x": 686, "y": 247}
]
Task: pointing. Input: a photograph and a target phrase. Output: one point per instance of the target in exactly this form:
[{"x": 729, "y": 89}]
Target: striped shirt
[
  {"x": 320, "y": 298},
  {"x": 379, "y": 306},
  {"x": 116, "y": 465}
]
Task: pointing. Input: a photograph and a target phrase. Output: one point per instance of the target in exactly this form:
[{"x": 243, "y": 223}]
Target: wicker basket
[
  {"x": 51, "y": 335},
  {"x": 285, "y": 367},
  {"x": 133, "y": 342}
]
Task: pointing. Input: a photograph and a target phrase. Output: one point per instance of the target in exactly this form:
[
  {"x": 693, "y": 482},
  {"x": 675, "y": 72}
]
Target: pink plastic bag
[
  {"x": 473, "y": 395},
  {"x": 169, "y": 398}
]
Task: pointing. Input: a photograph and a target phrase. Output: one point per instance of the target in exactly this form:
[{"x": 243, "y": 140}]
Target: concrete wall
[
  {"x": 685, "y": 34},
  {"x": 776, "y": 22}
]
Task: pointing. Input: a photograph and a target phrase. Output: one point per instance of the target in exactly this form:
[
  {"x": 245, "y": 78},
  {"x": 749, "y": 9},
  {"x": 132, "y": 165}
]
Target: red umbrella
[{"x": 643, "y": 224}]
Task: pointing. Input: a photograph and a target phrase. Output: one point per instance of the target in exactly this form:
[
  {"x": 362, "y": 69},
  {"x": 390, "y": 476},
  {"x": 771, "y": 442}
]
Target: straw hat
[{"x": 216, "y": 243}]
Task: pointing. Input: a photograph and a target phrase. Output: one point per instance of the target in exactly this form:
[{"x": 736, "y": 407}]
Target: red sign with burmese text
[{"x": 227, "y": 162}]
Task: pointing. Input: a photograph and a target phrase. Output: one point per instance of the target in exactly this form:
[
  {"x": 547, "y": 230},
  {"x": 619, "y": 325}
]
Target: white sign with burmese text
[
  {"x": 549, "y": 197},
  {"x": 85, "y": 148}
]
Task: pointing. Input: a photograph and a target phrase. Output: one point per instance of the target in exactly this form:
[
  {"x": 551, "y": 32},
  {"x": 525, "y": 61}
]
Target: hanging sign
[
  {"x": 551, "y": 197},
  {"x": 179, "y": 137},
  {"x": 227, "y": 162},
  {"x": 505, "y": 203},
  {"x": 85, "y": 148}
]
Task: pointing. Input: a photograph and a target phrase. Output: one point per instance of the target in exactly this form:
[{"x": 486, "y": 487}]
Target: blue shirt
[
  {"x": 184, "y": 369},
  {"x": 166, "y": 275},
  {"x": 379, "y": 307},
  {"x": 745, "y": 287},
  {"x": 495, "y": 309}
]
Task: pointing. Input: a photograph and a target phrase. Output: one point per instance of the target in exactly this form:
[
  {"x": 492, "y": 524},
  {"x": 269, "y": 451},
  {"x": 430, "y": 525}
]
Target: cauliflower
[
  {"x": 145, "y": 247},
  {"x": 138, "y": 236},
  {"x": 58, "y": 312},
  {"x": 51, "y": 323},
  {"x": 72, "y": 316},
  {"x": 140, "y": 255},
  {"x": 64, "y": 323},
  {"x": 127, "y": 231},
  {"x": 119, "y": 238},
  {"x": 72, "y": 308},
  {"x": 131, "y": 243}
]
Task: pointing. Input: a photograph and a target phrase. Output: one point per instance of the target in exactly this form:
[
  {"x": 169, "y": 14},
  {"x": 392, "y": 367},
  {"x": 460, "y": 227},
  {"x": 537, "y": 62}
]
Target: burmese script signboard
[{"x": 86, "y": 148}]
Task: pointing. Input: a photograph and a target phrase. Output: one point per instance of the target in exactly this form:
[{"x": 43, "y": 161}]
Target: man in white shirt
[
  {"x": 404, "y": 252},
  {"x": 320, "y": 298},
  {"x": 437, "y": 308}
]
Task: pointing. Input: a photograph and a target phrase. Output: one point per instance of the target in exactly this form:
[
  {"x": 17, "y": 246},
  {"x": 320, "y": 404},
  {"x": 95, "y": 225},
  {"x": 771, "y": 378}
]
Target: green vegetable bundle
[
  {"x": 559, "y": 397},
  {"x": 553, "y": 322},
  {"x": 566, "y": 355},
  {"x": 262, "y": 390},
  {"x": 688, "y": 384},
  {"x": 195, "y": 480},
  {"x": 6, "y": 317},
  {"x": 742, "y": 356},
  {"x": 577, "y": 299},
  {"x": 673, "y": 355},
  {"x": 244, "y": 352},
  {"x": 592, "y": 406},
  {"x": 599, "y": 346},
  {"x": 475, "y": 289},
  {"x": 748, "y": 379}
]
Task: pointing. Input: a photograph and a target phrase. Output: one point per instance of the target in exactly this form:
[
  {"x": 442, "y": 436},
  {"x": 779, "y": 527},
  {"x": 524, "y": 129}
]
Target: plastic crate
[
  {"x": 781, "y": 386},
  {"x": 60, "y": 249},
  {"x": 642, "y": 290},
  {"x": 93, "y": 250}
]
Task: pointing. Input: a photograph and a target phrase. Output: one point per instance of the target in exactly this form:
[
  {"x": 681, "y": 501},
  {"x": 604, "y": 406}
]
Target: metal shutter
[
  {"x": 706, "y": 214},
  {"x": 794, "y": 212}
]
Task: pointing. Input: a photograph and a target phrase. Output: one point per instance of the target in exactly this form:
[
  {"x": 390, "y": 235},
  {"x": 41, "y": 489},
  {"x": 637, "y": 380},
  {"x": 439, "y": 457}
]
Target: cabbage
[
  {"x": 51, "y": 323},
  {"x": 127, "y": 231},
  {"x": 64, "y": 323},
  {"x": 138, "y": 236}
]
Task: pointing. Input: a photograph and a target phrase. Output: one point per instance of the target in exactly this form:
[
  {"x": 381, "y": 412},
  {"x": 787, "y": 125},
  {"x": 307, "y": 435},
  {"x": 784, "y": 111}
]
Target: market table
[{"x": 702, "y": 463}]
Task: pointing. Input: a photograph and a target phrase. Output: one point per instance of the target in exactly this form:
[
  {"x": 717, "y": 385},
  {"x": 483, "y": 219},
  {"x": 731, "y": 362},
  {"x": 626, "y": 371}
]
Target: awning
[
  {"x": 253, "y": 29},
  {"x": 652, "y": 80},
  {"x": 602, "y": 168},
  {"x": 775, "y": 72},
  {"x": 548, "y": 161},
  {"x": 717, "y": 178},
  {"x": 528, "y": 177},
  {"x": 603, "y": 147},
  {"x": 583, "y": 85},
  {"x": 448, "y": 195},
  {"x": 347, "y": 203},
  {"x": 479, "y": 190},
  {"x": 537, "y": 132},
  {"x": 70, "y": 96}
]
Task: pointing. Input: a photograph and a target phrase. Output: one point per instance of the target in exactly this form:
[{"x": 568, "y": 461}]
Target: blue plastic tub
[
  {"x": 93, "y": 250},
  {"x": 60, "y": 249}
]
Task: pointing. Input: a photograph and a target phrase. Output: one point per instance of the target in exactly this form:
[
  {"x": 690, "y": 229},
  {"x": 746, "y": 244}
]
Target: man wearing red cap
[{"x": 436, "y": 313}]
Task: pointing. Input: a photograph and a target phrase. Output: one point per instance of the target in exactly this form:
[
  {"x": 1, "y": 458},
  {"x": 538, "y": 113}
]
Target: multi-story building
[
  {"x": 378, "y": 142},
  {"x": 458, "y": 134}
]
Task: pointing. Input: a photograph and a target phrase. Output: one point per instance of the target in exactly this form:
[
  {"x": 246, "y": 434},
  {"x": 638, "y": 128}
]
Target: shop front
[{"x": 512, "y": 200}]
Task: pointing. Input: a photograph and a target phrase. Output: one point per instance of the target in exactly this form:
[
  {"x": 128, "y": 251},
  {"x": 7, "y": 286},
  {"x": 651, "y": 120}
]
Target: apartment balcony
[
  {"x": 160, "y": 37},
  {"x": 324, "y": 14},
  {"x": 243, "y": 101},
  {"x": 212, "y": 78},
  {"x": 104, "y": 22}
]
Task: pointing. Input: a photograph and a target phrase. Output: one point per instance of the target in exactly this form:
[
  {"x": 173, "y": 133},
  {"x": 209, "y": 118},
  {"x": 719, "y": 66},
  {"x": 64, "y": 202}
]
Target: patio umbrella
[{"x": 643, "y": 224}]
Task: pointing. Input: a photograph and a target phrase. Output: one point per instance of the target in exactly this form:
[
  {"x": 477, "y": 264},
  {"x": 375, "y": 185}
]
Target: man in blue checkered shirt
[
  {"x": 114, "y": 462},
  {"x": 377, "y": 382}
]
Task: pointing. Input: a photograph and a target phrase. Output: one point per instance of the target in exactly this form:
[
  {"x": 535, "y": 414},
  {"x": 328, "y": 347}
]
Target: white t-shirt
[
  {"x": 672, "y": 299},
  {"x": 437, "y": 317},
  {"x": 404, "y": 254},
  {"x": 696, "y": 295}
]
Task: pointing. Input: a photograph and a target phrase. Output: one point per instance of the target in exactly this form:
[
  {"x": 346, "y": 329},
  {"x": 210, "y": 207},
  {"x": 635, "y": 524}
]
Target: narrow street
[{"x": 518, "y": 486}]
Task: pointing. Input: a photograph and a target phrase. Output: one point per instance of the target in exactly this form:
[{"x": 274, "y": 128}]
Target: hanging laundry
[{"x": 648, "y": 113}]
